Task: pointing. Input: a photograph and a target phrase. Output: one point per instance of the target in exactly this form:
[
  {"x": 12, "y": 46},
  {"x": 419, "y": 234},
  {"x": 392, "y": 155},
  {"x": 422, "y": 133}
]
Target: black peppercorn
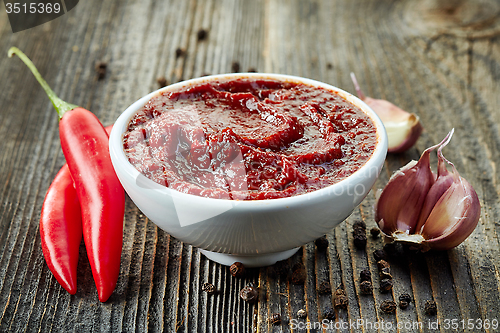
[
  {"x": 385, "y": 273},
  {"x": 366, "y": 287},
  {"x": 365, "y": 275},
  {"x": 359, "y": 240},
  {"x": 252, "y": 70},
  {"x": 359, "y": 225},
  {"x": 299, "y": 274},
  {"x": 329, "y": 314},
  {"x": 249, "y": 294},
  {"x": 321, "y": 243},
  {"x": 430, "y": 308},
  {"x": 395, "y": 250},
  {"x": 208, "y": 288},
  {"x": 302, "y": 313},
  {"x": 179, "y": 52},
  {"x": 375, "y": 232},
  {"x": 101, "y": 68},
  {"x": 279, "y": 269},
  {"x": 340, "y": 299},
  {"x": 381, "y": 264},
  {"x": 162, "y": 81},
  {"x": 275, "y": 319},
  {"x": 388, "y": 306},
  {"x": 405, "y": 298},
  {"x": 379, "y": 255},
  {"x": 359, "y": 234},
  {"x": 202, "y": 34},
  {"x": 237, "y": 269},
  {"x": 385, "y": 285},
  {"x": 235, "y": 67},
  {"x": 324, "y": 288}
]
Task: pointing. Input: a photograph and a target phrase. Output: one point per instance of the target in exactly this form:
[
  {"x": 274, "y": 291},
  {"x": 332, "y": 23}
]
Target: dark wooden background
[{"x": 437, "y": 58}]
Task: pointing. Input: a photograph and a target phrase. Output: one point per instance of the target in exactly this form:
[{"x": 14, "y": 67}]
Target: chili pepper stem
[{"x": 61, "y": 106}]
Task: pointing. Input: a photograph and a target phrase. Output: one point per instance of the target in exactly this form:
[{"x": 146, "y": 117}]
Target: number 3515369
[{"x": 32, "y": 8}]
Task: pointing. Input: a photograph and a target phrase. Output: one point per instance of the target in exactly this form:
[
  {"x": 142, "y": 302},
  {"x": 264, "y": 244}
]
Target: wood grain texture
[{"x": 437, "y": 58}]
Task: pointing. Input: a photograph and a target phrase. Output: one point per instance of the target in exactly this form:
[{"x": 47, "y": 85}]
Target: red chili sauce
[{"x": 249, "y": 139}]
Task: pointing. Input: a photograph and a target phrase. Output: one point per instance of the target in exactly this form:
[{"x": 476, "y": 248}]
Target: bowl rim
[{"x": 379, "y": 153}]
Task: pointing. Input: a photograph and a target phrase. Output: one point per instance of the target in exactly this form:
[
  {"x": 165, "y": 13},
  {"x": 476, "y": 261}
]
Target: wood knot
[{"x": 465, "y": 18}]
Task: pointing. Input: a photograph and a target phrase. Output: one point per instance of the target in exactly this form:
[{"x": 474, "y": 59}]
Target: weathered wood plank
[{"x": 415, "y": 56}]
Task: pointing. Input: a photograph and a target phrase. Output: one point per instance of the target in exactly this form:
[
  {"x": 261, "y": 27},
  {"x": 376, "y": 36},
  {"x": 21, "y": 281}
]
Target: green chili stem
[{"x": 61, "y": 106}]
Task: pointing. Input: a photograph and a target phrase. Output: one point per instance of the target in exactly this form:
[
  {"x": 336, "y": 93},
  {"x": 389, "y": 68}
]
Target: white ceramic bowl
[{"x": 256, "y": 233}]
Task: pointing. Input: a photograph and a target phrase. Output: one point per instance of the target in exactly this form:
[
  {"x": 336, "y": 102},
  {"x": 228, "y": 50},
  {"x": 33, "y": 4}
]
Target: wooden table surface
[{"x": 439, "y": 59}]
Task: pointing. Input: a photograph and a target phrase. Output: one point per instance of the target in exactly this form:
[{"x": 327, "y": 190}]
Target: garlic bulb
[
  {"x": 403, "y": 128},
  {"x": 431, "y": 211}
]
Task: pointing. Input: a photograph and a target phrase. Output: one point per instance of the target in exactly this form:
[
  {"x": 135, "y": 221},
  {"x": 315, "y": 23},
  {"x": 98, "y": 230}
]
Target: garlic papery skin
[
  {"x": 403, "y": 128},
  {"x": 427, "y": 210}
]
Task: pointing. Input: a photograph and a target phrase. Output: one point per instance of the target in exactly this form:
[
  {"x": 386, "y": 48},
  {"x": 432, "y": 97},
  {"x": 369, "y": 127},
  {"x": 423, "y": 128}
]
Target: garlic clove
[
  {"x": 444, "y": 180},
  {"x": 445, "y": 206},
  {"x": 454, "y": 217},
  {"x": 403, "y": 128},
  {"x": 399, "y": 204},
  {"x": 456, "y": 213}
]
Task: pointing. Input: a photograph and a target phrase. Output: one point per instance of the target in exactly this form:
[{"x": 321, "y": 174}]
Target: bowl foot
[{"x": 259, "y": 260}]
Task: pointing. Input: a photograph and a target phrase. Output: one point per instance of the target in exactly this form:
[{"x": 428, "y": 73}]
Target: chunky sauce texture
[{"x": 249, "y": 139}]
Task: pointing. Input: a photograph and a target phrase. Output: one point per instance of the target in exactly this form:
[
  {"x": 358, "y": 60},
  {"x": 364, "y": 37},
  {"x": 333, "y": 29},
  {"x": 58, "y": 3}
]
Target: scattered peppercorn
[
  {"x": 405, "y": 298},
  {"x": 385, "y": 273},
  {"x": 324, "y": 288},
  {"x": 329, "y": 66},
  {"x": 403, "y": 304},
  {"x": 329, "y": 313},
  {"x": 101, "y": 68},
  {"x": 388, "y": 306},
  {"x": 252, "y": 70},
  {"x": 366, "y": 287},
  {"x": 359, "y": 234},
  {"x": 237, "y": 269},
  {"x": 381, "y": 264},
  {"x": 279, "y": 269},
  {"x": 359, "y": 225},
  {"x": 302, "y": 313},
  {"x": 162, "y": 82},
  {"x": 298, "y": 273},
  {"x": 235, "y": 67},
  {"x": 430, "y": 308},
  {"x": 379, "y": 255},
  {"x": 208, "y": 288},
  {"x": 179, "y": 52},
  {"x": 340, "y": 299},
  {"x": 202, "y": 34},
  {"x": 395, "y": 250},
  {"x": 375, "y": 232},
  {"x": 365, "y": 275},
  {"x": 249, "y": 294},
  {"x": 385, "y": 285},
  {"x": 275, "y": 319},
  {"x": 321, "y": 243},
  {"x": 359, "y": 240}
]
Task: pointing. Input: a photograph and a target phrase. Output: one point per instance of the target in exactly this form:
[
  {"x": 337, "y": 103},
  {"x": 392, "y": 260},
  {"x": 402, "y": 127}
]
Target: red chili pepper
[
  {"x": 102, "y": 200},
  {"x": 61, "y": 228}
]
